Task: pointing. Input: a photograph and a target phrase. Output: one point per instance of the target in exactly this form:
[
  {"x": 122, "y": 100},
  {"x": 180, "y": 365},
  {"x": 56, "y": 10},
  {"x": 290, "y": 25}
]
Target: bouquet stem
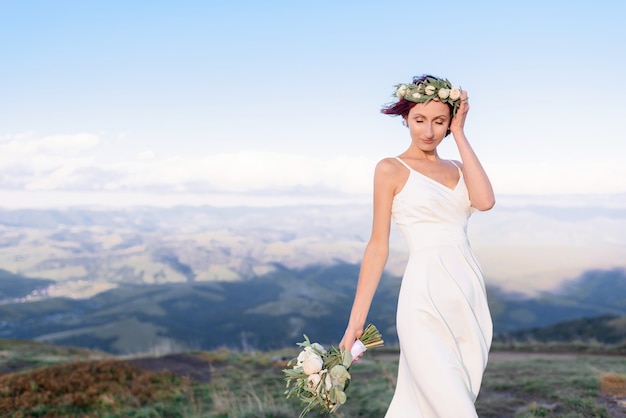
[{"x": 371, "y": 337}]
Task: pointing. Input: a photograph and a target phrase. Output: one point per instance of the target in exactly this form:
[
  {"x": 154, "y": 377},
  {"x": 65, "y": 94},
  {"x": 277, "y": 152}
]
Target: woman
[{"x": 443, "y": 321}]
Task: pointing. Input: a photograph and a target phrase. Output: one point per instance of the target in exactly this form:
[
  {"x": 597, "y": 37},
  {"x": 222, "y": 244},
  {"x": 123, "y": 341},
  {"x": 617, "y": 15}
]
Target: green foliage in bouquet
[{"x": 320, "y": 377}]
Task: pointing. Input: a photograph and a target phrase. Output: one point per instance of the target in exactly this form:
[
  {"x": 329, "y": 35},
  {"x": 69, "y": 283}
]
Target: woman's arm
[
  {"x": 478, "y": 184},
  {"x": 376, "y": 252}
]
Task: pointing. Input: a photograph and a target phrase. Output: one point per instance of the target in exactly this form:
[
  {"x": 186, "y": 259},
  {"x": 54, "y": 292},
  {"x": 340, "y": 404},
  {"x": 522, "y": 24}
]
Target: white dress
[{"x": 443, "y": 320}]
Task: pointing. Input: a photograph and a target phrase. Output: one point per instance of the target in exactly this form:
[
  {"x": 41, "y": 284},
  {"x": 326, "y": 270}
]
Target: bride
[{"x": 443, "y": 320}]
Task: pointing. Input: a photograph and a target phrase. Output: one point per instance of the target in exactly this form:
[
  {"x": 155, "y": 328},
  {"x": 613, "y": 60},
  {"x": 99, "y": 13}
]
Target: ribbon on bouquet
[{"x": 357, "y": 349}]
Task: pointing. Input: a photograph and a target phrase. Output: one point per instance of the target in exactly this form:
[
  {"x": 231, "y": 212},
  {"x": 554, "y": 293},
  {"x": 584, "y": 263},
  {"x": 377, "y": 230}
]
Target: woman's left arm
[{"x": 478, "y": 184}]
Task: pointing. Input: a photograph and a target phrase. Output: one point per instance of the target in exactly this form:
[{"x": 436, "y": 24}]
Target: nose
[{"x": 428, "y": 130}]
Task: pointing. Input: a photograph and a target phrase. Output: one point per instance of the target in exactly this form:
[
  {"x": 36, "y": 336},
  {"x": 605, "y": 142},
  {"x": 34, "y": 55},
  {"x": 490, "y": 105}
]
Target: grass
[
  {"x": 18, "y": 355},
  {"x": 250, "y": 385},
  {"x": 580, "y": 347},
  {"x": 85, "y": 388},
  {"x": 548, "y": 387}
]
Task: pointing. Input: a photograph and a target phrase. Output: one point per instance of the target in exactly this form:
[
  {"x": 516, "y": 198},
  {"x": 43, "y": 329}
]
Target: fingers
[
  {"x": 349, "y": 337},
  {"x": 464, "y": 97},
  {"x": 346, "y": 343},
  {"x": 464, "y": 107}
]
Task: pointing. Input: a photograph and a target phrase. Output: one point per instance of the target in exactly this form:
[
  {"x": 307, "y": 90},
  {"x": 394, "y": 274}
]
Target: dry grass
[
  {"x": 613, "y": 384},
  {"x": 83, "y": 386}
]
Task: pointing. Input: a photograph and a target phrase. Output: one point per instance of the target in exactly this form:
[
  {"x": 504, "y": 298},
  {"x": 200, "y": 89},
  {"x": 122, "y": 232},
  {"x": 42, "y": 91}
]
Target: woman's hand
[
  {"x": 458, "y": 121},
  {"x": 478, "y": 184},
  {"x": 350, "y": 336}
]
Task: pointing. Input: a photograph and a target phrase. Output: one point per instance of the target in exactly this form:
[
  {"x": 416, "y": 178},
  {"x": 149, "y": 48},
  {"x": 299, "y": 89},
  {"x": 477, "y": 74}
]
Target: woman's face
[{"x": 428, "y": 124}]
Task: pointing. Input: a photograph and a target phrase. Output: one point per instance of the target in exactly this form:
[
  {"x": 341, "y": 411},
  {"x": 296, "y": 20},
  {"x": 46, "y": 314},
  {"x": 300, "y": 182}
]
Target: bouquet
[{"x": 320, "y": 377}]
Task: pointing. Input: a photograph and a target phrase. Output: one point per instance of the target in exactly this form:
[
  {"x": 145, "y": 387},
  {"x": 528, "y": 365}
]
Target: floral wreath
[{"x": 431, "y": 89}]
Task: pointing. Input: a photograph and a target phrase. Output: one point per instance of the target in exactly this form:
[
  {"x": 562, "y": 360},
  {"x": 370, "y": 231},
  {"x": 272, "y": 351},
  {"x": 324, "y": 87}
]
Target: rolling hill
[
  {"x": 86, "y": 251},
  {"x": 272, "y": 311}
]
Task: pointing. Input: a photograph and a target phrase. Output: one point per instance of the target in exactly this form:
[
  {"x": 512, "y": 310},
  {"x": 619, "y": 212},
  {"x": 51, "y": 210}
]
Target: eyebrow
[{"x": 439, "y": 116}]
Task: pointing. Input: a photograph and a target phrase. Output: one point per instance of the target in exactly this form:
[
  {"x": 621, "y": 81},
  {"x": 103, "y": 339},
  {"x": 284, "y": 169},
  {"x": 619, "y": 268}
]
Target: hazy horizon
[
  {"x": 526, "y": 246},
  {"x": 23, "y": 199}
]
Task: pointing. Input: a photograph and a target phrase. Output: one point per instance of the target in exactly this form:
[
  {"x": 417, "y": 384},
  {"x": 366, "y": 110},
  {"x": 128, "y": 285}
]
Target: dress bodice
[{"x": 429, "y": 213}]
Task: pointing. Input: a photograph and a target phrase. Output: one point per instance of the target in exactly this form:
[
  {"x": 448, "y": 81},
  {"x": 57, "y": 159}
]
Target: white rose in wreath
[
  {"x": 401, "y": 91},
  {"x": 416, "y": 95},
  {"x": 429, "y": 90},
  {"x": 443, "y": 93},
  {"x": 455, "y": 93}
]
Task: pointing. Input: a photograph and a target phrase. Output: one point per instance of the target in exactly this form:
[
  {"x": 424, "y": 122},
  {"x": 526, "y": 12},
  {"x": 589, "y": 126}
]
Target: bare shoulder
[
  {"x": 389, "y": 166},
  {"x": 390, "y": 175}
]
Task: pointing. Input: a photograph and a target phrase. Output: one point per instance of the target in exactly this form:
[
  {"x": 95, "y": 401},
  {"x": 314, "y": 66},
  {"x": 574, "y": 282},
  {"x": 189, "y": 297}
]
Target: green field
[{"x": 41, "y": 380}]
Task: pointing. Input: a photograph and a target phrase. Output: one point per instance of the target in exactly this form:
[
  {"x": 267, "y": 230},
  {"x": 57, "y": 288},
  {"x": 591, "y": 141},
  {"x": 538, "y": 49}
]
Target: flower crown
[{"x": 431, "y": 89}]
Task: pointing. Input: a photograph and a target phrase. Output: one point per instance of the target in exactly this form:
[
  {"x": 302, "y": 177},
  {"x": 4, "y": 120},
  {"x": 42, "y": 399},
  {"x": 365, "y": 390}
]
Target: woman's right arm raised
[{"x": 376, "y": 252}]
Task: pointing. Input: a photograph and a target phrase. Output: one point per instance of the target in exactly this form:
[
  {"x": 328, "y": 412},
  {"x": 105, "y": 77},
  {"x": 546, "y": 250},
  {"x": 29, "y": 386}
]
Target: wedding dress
[{"x": 443, "y": 320}]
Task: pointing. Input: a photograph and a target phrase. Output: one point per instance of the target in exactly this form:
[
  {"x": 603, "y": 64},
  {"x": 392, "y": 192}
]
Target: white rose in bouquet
[
  {"x": 319, "y": 347},
  {"x": 312, "y": 364},
  {"x": 328, "y": 382},
  {"x": 303, "y": 354},
  {"x": 314, "y": 380}
]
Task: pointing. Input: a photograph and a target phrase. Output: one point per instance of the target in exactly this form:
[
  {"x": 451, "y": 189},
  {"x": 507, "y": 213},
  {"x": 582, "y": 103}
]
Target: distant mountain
[
  {"x": 271, "y": 311},
  {"x": 15, "y": 288},
  {"x": 89, "y": 250},
  {"x": 86, "y": 251},
  {"x": 596, "y": 292}
]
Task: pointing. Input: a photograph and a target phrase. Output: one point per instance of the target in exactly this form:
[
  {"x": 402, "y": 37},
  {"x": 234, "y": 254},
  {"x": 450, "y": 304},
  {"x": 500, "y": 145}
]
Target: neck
[{"x": 420, "y": 154}]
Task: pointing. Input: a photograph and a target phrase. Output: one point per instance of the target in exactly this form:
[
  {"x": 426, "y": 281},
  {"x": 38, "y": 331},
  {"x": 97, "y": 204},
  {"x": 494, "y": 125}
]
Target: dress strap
[
  {"x": 410, "y": 169},
  {"x": 455, "y": 164},
  {"x": 404, "y": 164}
]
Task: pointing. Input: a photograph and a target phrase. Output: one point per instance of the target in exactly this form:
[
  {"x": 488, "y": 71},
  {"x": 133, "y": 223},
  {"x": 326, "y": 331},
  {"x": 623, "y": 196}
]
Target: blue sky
[{"x": 240, "y": 102}]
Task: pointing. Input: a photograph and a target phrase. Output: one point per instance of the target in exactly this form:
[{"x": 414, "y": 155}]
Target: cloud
[
  {"x": 29, "y": 162},
  {"x": 593, "y": 176},
  {"x": 62, "y": 145},
  {"x": 77, "y": 163},
  {"x": 70, "y": 163},
  {"x": 247, "y": 171},
  {"x": 146, "y": 155}
]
